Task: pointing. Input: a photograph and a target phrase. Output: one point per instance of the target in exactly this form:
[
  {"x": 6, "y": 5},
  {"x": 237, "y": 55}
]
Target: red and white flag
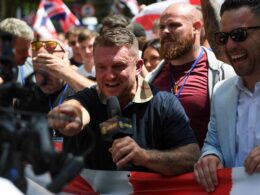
[
  {"x": 231, "y": 182},
  {"x": 133, "y": 6},
  {"x": 56, "y": 9},
  {"x": 42, "y": 23},
  {"x": 153, "y": 11}
]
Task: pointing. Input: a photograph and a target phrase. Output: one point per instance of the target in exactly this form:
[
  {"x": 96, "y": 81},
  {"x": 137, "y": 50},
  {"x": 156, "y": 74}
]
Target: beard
[{"x": 177, "y": 49}]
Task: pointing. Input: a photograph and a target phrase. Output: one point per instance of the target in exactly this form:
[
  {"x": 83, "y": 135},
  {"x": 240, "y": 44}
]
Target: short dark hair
[
  {"x": 86, "y": 34},
  {"x": 117, "y": 37},
  {"x": 154, "y": 43},
  {"x": 114, "y": 21},
  {"x": 74, "y": 30},
  {"x": 139, "y": 32},
  {"x": 253, "y": 5}
]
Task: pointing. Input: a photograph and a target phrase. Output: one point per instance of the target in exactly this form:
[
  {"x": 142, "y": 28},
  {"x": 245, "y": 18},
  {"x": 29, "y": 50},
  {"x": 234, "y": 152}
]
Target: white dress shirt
[{"x": 247, "y": 122}]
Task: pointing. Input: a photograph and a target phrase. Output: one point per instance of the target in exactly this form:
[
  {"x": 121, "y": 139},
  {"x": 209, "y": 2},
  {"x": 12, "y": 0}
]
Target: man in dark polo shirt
[
  {"x": 162, "y": 140},
  {"x": 188, "y": 70}
]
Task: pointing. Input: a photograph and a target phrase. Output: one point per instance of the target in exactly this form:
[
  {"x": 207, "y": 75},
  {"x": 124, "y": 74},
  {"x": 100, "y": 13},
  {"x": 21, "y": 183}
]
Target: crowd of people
[{"x": 190, "y": 92}]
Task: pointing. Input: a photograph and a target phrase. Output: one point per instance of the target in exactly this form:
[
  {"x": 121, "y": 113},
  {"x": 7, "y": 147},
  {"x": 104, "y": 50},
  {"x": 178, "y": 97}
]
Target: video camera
[
  {"x": 26, "y": 140},
  {"x": 22, "y": 142},
  {"x": 7, "y": 67}
]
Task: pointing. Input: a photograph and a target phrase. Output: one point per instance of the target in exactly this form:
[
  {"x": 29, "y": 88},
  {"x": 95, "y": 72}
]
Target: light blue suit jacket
[{"x": 221, "y": 136}]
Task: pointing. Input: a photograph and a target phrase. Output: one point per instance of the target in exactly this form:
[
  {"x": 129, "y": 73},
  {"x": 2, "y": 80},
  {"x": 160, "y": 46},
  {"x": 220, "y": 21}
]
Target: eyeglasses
[
  {"x": 50, "y": 46},
  {"x": 237, "y": 35}
]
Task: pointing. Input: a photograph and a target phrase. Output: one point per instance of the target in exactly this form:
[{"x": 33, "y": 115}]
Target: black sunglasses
[{"x": 237, "y": 35}]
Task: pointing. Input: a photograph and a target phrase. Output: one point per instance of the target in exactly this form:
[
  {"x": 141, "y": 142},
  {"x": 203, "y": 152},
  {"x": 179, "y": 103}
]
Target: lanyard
[
  {"x": 22, "y": 74},
  {"x": 59, "y": 102},
  {"x": 61, "y": 97},
  {"x": 174, "y": 84}
]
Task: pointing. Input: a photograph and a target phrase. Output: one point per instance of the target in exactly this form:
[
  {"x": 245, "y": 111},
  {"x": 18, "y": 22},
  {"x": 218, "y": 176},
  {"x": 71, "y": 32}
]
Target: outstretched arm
[{"x": 69, "y": 118}]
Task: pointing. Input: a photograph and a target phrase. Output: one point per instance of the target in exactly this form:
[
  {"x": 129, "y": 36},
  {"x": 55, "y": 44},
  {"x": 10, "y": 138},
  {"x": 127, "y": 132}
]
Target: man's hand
[
  {"x": 205, "y": 172},
  {"x": 53, "y": 65},
  {"x": 61, "y": 68},
  {"x": 66, "y": 118},
  {"x": 252, "y": 162},
  {"x": 125, "y": 150}
]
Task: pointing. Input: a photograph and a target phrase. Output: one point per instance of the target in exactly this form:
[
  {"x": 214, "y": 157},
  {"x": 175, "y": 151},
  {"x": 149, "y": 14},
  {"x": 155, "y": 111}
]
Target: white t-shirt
[{"x": 81, "y": 70}]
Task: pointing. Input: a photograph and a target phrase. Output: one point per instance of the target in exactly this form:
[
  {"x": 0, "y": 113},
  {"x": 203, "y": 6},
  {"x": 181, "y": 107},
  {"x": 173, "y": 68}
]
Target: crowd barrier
[{"x": 231, "y": 181}]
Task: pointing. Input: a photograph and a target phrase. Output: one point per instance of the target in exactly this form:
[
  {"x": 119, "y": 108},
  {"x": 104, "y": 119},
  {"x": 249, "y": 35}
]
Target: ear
[
  {"x": 197, "y": 26},
  {"x": 139, "y": 65}
]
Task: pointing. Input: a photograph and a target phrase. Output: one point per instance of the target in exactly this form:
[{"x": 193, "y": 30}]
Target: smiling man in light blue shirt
[{"x": 233, "y": 137}]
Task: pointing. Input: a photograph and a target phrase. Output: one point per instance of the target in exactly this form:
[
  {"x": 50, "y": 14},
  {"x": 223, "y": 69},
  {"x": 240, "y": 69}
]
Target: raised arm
[
  {"x": 76, "y": 81},
  {"x": 60, "y": 68}
]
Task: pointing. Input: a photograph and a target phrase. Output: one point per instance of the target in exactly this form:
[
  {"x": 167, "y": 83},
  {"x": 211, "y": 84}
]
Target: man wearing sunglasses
[
  {"x": 233, "y": 137},
  {"x": 55, "y": 77},
  {"x": 72, "y": 38},
  {"x": 45, "y": 52},
  {"x": 55, "y": 62},
  {"x": 49, "y": 90},
  {"x": 188, "y": 70}
]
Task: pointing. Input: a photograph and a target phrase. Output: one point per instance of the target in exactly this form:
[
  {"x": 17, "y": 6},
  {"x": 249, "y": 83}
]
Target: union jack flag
[
  {"x": 57, "y": 10},
  {"x": 43, "y": 25}
]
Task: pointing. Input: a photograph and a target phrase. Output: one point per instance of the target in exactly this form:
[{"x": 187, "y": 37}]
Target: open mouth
[
  {"x": 238, "y": 58},
  {"x": 112, "y": 85}
]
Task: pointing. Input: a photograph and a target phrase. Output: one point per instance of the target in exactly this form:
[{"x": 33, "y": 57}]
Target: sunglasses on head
[
  {"x": 50, "y": 46},
  {"x": 237, "y": 35}
]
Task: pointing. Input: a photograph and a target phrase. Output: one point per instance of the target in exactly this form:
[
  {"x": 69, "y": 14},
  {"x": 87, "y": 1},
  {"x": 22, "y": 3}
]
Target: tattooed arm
[
  {"x": 173, "y": 162},
  {"x": 211, "y": 17}
]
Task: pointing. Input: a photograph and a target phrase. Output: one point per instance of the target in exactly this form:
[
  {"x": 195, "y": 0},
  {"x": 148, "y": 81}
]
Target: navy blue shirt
[{"x": 160, "y": 123}]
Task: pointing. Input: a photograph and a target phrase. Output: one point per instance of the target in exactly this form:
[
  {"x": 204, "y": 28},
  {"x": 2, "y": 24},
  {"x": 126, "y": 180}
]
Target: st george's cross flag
[
  {"x": 153, "y": 11},
  {"x": 91, "y": 182}
]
